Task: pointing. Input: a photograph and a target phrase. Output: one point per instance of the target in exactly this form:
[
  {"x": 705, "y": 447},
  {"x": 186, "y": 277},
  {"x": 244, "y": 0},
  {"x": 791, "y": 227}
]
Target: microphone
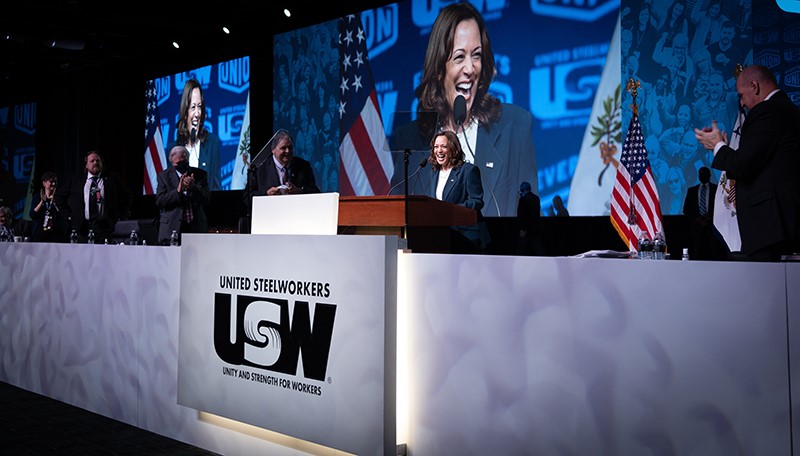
[
  {"x": 193, "y": 134},
  {"x": 460, "y": 110},
  {"x": 460, "y": 114},
  {"x": 497, "y": 206},
  {"x": 422, "y": 164}
]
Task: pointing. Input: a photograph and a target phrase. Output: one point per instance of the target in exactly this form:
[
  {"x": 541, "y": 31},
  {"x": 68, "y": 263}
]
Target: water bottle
[
  {"x": 645, "y": 248},
  {"x": 173, "y": 238},
  {"x": 659, "y": 247},
  {"x": 134, "y": 238},
  {"x": 685, "y": 256},
  {"x": 91, "y": 237},
  {"x": 73, "y": 238}
]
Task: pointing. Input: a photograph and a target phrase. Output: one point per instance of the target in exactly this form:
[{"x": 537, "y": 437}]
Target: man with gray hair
[{"x": 182, "y": 197}]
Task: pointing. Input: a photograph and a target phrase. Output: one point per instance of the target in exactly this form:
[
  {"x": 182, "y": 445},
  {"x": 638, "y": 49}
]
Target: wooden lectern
[{"x": 429, "y": 219}]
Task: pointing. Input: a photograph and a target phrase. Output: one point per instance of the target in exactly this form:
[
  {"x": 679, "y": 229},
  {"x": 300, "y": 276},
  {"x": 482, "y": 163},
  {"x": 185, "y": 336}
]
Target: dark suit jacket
[
  {"x": 703, "y": 239},
  {"x": 691, "y": 205},
  {"x": 464, "y": 188},
  {"x": 765, "y": 167},
  {"x": 208, "y": 160},
  {"x": 529, "y": 211},
  {"x": 504, "y": 153},
  {"x": 266, "y": 176},
  {"x": 117, "y": 204},
  {"x": 171, "y": 204}
]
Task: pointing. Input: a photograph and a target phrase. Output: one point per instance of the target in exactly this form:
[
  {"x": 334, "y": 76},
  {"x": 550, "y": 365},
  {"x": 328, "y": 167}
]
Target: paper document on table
[{"x": 603, "y": 254}]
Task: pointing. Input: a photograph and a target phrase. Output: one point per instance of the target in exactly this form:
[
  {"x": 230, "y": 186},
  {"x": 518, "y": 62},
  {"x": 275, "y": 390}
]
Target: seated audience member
[
  {"x": 6, "y": 224},
  {"x": 458, "y": 182},
  {"x": 48, "y": 223},
  {"x": 182, "y": 197},
  {"x": 281, "y": 174},
  {"x": 94, "y": 199}
]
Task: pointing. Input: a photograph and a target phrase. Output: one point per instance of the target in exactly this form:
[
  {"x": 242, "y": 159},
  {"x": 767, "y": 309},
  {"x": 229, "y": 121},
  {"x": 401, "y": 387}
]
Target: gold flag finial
[
  {"x": 633, "y": 87},
  {"x": 737, "y": 70}
]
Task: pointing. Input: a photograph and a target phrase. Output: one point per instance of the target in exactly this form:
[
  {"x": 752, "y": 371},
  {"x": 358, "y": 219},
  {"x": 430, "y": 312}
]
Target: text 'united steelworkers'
[
  {"x": 282, "y": 286},
  {"x": 265, "y": 335}
]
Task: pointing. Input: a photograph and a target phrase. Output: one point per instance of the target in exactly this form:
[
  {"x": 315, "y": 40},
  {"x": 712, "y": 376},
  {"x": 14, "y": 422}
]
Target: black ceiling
[{"x": 40, "y": 40}]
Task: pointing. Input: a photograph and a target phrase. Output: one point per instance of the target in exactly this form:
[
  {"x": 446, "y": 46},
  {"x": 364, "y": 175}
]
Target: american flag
[
  {"x": 634, "y": 200},
  {"x": 154, "y": 157},
  {"x": 365, "y": 162}
]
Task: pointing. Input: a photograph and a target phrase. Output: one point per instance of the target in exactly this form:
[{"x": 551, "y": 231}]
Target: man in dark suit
[
  {"x": 94, "y": 199},
  {"x": 698, "y": 207},
  {"x": 765, "y": 166},
  {"x": 281, "y": 174},
  {"x": 182, "y": 197},
  {"x": 529, "y": 222}
]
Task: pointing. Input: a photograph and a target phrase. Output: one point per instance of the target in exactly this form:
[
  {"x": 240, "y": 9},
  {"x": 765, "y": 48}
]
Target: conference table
[{"x": 496, "y": 354}]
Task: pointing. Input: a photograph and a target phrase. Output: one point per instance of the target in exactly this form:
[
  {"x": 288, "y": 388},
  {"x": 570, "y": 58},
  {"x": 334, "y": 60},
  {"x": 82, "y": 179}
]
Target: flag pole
[{"x": 633, "y": 88}]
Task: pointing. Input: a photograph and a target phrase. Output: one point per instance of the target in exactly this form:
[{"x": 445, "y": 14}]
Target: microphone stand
[
  {"x": 406, "y": 154},
  {"x": 483, "y": 179}
]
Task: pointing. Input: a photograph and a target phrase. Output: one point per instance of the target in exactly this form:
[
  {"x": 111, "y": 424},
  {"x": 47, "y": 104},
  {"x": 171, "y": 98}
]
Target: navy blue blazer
[{"x": 464, "y": 188}]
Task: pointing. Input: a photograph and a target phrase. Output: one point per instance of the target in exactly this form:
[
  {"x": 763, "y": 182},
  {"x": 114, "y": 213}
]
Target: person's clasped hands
[
  {"x": 186, "y": 183},
  {"x": 708, "y": 137}
]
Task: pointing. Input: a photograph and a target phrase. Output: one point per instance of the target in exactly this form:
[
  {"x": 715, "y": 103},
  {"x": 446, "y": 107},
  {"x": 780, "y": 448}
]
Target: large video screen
[
  {"x": 549, "y": 58},
  {"x": 566, "y": 63},
  {"x": 223, "y": 150}
]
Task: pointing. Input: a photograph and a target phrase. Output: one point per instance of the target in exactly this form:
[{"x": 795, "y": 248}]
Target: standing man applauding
[
  {"x": 182, "y": 197},
  {"x": 94, "y": 199},
  {"x": 765, "y": 166}
]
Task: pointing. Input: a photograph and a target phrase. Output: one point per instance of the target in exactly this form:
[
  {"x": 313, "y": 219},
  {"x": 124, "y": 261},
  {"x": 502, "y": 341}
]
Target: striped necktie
[{"x": 703, "y": 199}]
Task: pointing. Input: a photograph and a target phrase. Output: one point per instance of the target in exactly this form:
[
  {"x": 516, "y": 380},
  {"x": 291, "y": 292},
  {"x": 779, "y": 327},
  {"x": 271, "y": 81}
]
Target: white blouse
[
  {"x": 444, "y": 175},
  {"x": 194, "y": 154}
]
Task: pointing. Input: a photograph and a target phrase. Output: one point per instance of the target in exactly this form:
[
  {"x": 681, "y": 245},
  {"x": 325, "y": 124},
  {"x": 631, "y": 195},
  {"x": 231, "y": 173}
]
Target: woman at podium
[{"x": 458, "y": 182}]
